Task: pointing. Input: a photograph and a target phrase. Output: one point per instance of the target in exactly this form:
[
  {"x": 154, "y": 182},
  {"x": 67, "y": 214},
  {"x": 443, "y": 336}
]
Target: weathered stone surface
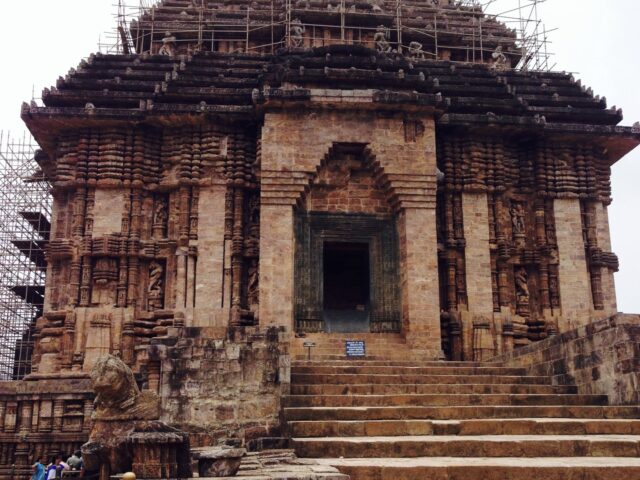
[
  {"x": 126, "y": 433},
  {"x": 222, "y": 389},
  {"x": 601, "y": 358},
  {"x": 284, "y": 465},
  {"x": 117, "y": 395},
  {"x": 218, "y": 461}
]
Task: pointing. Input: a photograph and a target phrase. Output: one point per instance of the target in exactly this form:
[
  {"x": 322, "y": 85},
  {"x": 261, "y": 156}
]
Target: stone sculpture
[
  {"x": 415, "y": 51},
  {"x": 126, "y": 427},
  {"x": 168, "y": 45},
  {"x": 297, "y": 33},
  {"x": 517, "y": 218},
  {"x": 381, "y": 39},
  {"x": 522, "y": 286},
  {"x": 156, "y": 286},
  {"x": 499, "y": 60}
]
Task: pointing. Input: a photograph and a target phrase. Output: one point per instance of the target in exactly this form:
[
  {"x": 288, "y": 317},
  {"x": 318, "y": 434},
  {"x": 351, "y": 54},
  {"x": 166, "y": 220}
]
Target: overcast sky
[{"x": 597, "y": 39}]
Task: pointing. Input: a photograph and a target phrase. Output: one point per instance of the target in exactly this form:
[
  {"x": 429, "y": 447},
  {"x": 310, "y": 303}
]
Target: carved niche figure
[
  {"x": 517, "y": 219},
  {"x": 381, "y": 39},
  {"x": 522, "y": 285},
  {"x": 415, "y": 51},
  {"x": 160, "y": 218},
  {"x": 156, "y": 286},
  {"x": 168, "y": 47},
  {"x": 522, "y": 292},
  {"x": 253, "y": 283},
  {"x": 500, "y": 61},
  {"x": 297, "y": 33}
]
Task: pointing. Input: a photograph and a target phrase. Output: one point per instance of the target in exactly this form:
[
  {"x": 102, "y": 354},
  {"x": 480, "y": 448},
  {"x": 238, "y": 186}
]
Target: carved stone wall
[
  {"x": 544, "y": 258},
  {"x": 346, "y": 184},
  {"x": 124, "y": 258},
  {"x": 41, "y": 419}
]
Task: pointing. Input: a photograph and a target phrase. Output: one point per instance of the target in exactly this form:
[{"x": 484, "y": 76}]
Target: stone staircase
[{"x": 401, "y": 420}]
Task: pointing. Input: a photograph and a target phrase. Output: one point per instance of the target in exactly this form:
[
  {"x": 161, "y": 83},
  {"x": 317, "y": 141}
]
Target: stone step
[
  {"x": 525, "y": 426},
  {"x": 439, "y": 400},
  {"x": 359, "y": 379},
  {"x": 469, "y": 446},
  {"x": 448, "y": 468},
  {"x": 387, "y": 363},
  {"x": 434, "y": 388},
  {"x": 335, "y": 355},
  {"x": 413, "y": 370},
  {"x": 459, "y": 412}
]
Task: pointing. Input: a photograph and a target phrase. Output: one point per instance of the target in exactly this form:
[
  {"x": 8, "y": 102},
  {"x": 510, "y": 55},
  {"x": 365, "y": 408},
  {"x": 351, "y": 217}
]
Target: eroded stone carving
[
  {"x": 156, "y": 286},
  {"x": 126, "y": 430},
  {"x": 522, "y": 292},
  {"x": 117, "y": 394},
  {"x": 381, "y": 39},
  {"x": 160, "y": 217},
  {"x": 168, "y": 45},
  {"x": 297, "y": 33},
  {"x": 415, "y": 51},
  {"x": 517, "y": 218},
  {"x": 253, "y": 284},
  {"x": 500, "y": 61}
]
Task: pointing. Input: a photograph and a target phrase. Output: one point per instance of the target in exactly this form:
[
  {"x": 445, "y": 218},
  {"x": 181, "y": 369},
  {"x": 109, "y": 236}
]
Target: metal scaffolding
[
  {"x": 445, "y": 32},
  {"x": 25, "y": 214}
]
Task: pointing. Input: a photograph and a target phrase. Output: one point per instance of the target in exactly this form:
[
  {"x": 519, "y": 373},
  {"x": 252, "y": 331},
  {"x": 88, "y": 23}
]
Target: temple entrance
[
  {"x": 346, "y": 284},
  {"x": 346, "y": 273}
]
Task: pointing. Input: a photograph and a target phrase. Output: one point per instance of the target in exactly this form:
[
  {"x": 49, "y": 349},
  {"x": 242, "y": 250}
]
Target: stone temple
[{"x": 253, "y": 188}]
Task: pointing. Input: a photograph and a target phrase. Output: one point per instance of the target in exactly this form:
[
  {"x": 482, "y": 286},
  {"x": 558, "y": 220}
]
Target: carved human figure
[
  {"x": 381, "y": 39},
  {"x": 500, "y": 61},
  {"x": 160, "y": 215},
  {"x": 522, "y": 285},
  {"x": 160, "y": 218},
  {"x": 168, "y": 45},
  {"x": 253, "y": 283},
  {"x": 517, "y": 218},
  {"x": 156, "y": 285},
  {"x": 297, "y": 33},
  {"x": 415, "y": 51}
]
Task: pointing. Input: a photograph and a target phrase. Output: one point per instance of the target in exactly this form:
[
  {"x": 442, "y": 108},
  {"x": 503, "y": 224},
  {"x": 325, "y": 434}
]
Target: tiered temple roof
[{"x": 151, "y": 88}]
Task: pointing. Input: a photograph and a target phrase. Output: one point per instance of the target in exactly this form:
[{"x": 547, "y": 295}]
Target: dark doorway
[{"x": 346, "y": 286}]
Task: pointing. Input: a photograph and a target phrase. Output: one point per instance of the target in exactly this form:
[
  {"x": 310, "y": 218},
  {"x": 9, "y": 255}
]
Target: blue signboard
[{"x": 355, "y": 348}]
